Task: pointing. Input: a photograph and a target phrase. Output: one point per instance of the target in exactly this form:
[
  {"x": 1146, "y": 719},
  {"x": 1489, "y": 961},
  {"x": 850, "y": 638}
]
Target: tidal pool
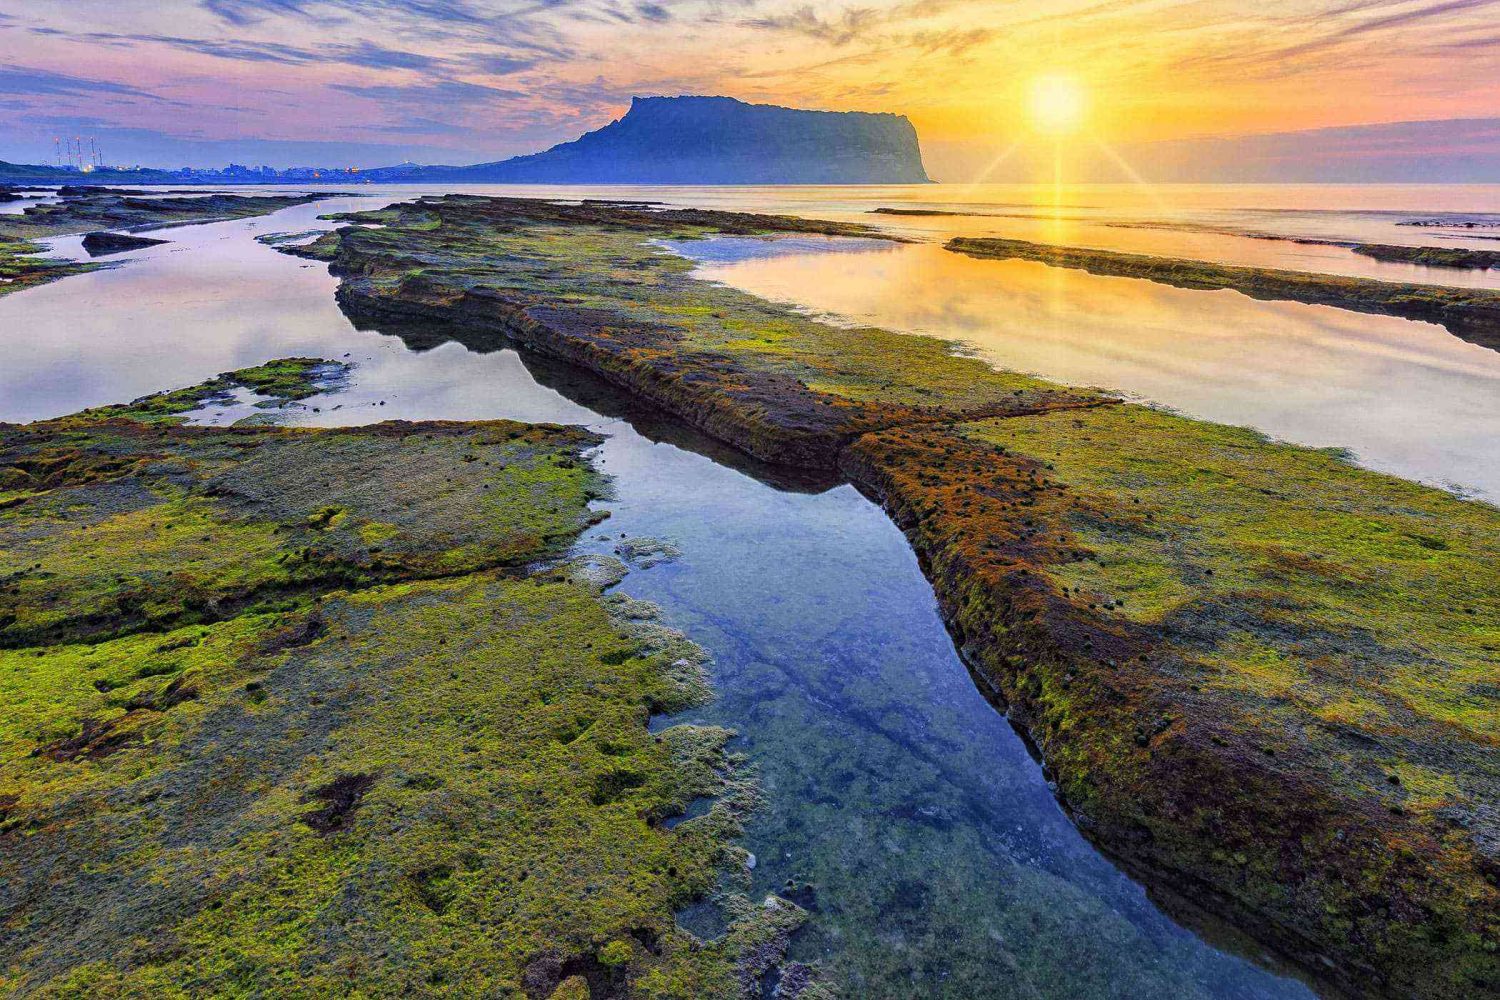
[
  {"x": 901, "y": 808},
  {"x": 1404, "y": 397}
]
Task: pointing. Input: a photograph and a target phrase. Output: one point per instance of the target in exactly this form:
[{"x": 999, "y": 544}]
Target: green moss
[
  {"x": 1224, "y": 648},
  {"x": 21, "y": 268},
  {"x": 96, "y": 210},
  {"x": 1363, "y": 587},
  {"x": 607, "y": 261},
  {"x": 276, "y": 725},
  {"x": 1431, "y": 256},
  {"x": 285, "y": 380}
]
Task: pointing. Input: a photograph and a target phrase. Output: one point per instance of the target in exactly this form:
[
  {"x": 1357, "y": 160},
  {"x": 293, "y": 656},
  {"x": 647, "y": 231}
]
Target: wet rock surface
[
  {"x": 102, "y": 244},
  {"x": 85, "y": 209}
]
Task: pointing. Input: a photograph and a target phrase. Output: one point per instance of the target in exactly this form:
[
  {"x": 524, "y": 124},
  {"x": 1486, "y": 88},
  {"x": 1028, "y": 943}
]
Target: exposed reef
[
  {"x": 293, "y": 709},
  {"x": 21, "y": 267},
  {"x": 1263, "y": 678},
  {"x": 1470, "y": 313},
  {"x": 1474, "y": 260},
  {"x": 91, "y": 208},
  {"x": 284, "y": 381},
  {"x": 102, "y": 244}
]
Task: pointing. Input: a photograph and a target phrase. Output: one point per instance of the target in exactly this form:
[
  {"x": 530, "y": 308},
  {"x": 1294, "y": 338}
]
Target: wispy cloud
[
  {"x": 853, "y": 23},
  {"x": 431, "y": 94},
  {"x": 40, "y": 82}
]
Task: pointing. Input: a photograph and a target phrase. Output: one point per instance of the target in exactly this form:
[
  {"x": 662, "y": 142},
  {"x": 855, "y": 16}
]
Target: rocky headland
[
  {"x": 1261, "y": 677},
  {"x": 712, "y": 140}
]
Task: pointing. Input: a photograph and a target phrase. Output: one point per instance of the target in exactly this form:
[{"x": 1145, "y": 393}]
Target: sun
[{"x": 1056, "y": 104}]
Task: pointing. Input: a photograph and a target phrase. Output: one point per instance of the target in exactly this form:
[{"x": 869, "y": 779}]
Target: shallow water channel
[{"x": 939, "y": 862}]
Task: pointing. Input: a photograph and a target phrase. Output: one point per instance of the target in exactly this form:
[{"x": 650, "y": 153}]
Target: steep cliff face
[{"x": 719, "y": 140}]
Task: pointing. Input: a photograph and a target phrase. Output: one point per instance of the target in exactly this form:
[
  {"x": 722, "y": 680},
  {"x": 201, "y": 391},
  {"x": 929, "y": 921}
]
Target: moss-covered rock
[
  {"x": 88, "y": 209},
  {"x": 1264, "y": 678},
  {"x": 585, "y": 284},
  {"x": 320, "y": 713},
  {"x": 21, "y": 265}
]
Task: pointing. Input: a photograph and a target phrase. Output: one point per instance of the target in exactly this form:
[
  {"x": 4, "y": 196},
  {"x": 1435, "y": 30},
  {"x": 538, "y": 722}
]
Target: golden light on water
[{"x": 1056, "y": 104}]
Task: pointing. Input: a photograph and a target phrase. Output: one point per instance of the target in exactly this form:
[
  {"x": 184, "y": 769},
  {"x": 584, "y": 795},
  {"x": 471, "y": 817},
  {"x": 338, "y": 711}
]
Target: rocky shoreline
[
  {"x": 96, "y": 208},
  {"x": 1470, "y": 313},
  {"x": 1260, "y": 676}
]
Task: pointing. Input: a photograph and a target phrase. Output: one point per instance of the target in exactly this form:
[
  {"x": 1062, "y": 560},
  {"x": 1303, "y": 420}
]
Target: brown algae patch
[{"x": 300, "y": 711}]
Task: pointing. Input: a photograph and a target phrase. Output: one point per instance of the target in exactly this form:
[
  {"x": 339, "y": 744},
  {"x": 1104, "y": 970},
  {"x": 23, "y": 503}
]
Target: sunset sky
[{"x": 1164, "y": 82}]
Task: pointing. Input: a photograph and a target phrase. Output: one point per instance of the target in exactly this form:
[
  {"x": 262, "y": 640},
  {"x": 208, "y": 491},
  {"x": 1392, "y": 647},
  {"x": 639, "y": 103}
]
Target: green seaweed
[
  {"x": 1262, "y": 677},
  {"x": 318, "y": 712},
  {"x": 21, "y": 267}
]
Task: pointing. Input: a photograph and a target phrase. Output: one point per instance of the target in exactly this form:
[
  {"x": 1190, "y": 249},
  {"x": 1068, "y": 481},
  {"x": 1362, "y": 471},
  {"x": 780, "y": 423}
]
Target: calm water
[
  {"x": 941, "y": 865},
  {"x": 1404, "y": 397}
]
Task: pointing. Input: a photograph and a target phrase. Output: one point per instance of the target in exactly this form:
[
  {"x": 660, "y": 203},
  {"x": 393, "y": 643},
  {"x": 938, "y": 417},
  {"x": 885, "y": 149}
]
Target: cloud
[
  {"x": 372, "y": 56},
  {"x": 653, "y": 12},
  {"x": 951, "y": 42},
  {"x": 436, "y": 93},
  {"x": 853, "y": 23},
  {"x": 41, "y": 82},
  {"x": 419, "y": 126},
  {"x": 1286, "y": 59},
  {"x": 242, "y": 13},
  {"x": 499, "y": 64}
]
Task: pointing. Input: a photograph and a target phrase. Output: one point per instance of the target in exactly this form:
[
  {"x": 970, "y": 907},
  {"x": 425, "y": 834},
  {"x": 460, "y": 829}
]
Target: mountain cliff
[{"x": 716, "y": 140}]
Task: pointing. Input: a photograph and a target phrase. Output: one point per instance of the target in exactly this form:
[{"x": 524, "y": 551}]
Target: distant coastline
[{"x": 660, "y": 140}]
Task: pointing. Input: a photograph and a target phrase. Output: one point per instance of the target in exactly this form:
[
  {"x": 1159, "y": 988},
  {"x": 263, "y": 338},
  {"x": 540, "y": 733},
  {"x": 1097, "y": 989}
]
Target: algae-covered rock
[
  {"x": 319, "y": 713},
  {"x": 584, "y": 283},
  {"x": 102, "y": 244},
  {"x": 1264, "y": 678},
  {"x": 22, "y": 267},
  {"x": 85, "y": 209}
]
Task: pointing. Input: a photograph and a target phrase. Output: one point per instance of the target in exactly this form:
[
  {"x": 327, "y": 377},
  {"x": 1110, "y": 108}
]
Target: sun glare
[{"x": 1056, "y": 104}]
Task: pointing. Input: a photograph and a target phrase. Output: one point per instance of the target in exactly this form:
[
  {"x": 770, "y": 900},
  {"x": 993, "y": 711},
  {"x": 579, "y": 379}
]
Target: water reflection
[{"x": 1406, "y": 397}]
